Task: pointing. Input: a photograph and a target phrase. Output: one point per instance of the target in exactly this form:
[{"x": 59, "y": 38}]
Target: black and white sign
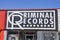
[{"x": 42, "y": 19}]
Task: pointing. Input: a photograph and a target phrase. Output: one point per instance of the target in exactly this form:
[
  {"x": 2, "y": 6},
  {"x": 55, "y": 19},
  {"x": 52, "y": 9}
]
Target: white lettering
[
  {"x": 33, "y": 15},
  {"x": 29, "y": 21},
  {"x": 24, "y": 21},
  {"x": 51, "y": 15},
  {"x": 46, "y": 21},
  {"x": 34, "y": 21},
  {"x": 37, "y": 15},
  {"x": 47, "y": 15},
  {"x": 40, "y": 21},
  {"x": 42, "y": 15},
  {"x": 51, "y": 21},
  {"x": 25, "y": 15}
]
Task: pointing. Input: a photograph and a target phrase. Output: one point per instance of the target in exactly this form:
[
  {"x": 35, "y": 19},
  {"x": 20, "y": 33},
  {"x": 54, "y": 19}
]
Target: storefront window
[
  {"x": 47, "y": 35},
  {"x": 50, "y": 35},
  {"x": 17, "y": 35}
]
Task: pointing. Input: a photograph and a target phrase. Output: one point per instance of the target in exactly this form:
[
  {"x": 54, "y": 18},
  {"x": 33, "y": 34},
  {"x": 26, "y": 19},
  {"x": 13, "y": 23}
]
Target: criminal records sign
[{"x": 32, "y": 19}]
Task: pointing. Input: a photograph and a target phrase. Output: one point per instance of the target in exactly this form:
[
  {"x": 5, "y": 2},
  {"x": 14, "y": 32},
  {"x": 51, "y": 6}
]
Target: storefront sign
[{"x": 41, "y": 19}]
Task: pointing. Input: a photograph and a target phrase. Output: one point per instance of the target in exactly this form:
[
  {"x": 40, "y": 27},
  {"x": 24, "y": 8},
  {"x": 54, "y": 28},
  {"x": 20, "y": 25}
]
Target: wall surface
[
  {"x": 58, "y": 19},
  {"x": 2, "y": 19},
  {"x": 5, "y": 35}
]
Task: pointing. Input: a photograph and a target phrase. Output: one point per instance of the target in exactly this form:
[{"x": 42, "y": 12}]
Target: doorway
[
  {"x": 30, "y": 36},
  {"x": 21, "y": 35}
]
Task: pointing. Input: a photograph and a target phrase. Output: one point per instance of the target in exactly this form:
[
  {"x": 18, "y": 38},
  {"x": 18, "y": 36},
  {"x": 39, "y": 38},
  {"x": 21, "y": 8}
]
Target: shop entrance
[
  {"x": 21, "y": 35},
  {"x": 30, "y": 35}
]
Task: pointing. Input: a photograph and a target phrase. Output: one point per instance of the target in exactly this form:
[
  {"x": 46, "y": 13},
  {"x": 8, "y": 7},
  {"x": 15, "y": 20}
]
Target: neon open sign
[{"x": 41, "y": 19}]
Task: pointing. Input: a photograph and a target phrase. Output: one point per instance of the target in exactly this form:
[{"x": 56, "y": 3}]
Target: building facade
[{"x": 32, "y": 24}]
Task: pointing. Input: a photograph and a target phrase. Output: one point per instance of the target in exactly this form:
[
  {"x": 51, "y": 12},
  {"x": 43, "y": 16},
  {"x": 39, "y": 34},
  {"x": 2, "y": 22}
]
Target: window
[{"x": 50, "y": 35}]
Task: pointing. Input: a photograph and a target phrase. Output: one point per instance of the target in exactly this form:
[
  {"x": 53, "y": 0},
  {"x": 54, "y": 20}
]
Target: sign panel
[{"x": 33, "y": 19}]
